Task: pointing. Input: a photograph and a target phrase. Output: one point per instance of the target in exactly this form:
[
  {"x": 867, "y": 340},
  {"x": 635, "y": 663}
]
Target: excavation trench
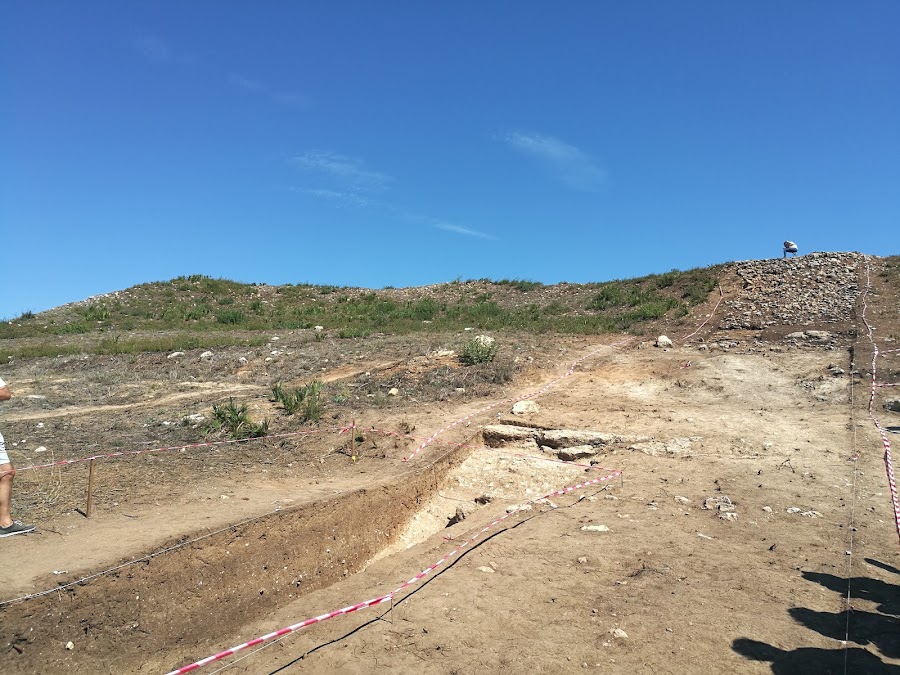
[
  {"x": 179, "y": 606},
  {"x": 184, "y": 602}
]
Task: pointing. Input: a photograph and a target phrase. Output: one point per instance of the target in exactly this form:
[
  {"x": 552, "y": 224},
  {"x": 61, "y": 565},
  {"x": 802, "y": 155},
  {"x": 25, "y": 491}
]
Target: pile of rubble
[{"x": 812, "y": 289}]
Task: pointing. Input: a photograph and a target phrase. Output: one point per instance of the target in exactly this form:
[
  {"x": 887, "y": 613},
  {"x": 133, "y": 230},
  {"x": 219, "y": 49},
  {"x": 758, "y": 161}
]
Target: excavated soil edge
[{"x": 182, "y": 601}]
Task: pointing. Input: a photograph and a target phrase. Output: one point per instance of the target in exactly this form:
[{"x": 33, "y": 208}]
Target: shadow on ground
[{"x": 879, "y": 628}]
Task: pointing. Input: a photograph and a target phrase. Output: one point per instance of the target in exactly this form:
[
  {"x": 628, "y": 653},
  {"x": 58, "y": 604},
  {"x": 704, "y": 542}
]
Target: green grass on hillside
[{"x": 202, "y": 312}]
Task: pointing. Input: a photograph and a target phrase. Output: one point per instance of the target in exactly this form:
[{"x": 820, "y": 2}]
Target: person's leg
[{"x": 6, "y": 478}]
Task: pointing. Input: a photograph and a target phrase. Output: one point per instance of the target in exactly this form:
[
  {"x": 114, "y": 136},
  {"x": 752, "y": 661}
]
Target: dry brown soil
[{"x": 264, "y": 534}]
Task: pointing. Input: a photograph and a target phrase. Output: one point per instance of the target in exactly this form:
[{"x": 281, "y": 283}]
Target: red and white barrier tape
[
  {"x": 428, "y": 441},
  {"x": 388, "y": 596},
  {"x": 123, "y": 453},
  {"x": 888, "y": 460},
  {"x": 711, "y": 314}
]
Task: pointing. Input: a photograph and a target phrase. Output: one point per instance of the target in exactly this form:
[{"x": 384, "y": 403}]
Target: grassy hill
[{"x": 199, "y": 311}]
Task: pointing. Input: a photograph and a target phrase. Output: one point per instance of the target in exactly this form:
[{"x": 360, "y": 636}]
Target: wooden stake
[
  {"x": 90, "y": 494},
  {"x": 353, "y": 441}
]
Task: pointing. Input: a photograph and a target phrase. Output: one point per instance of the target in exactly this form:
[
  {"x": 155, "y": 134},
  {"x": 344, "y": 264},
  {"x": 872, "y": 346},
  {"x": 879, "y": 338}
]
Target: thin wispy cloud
[
  {"x": 287, "y": 98},
  {"x": 245, "y": 82},
  {"x": 153, "y": 48},
  {"x": 342, "y": 197},
  {"x": 353, "y": 184},
  {"x": 459, "y": 229},
  {"x": 156, "y": 49},
  {"x": 349, "y": 171},
  {"x": 293, "y": 100},
  {"x": 571, "y": 165}
]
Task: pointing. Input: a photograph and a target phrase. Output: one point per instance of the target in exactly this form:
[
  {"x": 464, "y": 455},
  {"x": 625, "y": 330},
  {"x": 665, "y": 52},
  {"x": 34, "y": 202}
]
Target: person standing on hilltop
[
  {"x": 8, "y": 526},
  {"x": 789, "y": 247}
]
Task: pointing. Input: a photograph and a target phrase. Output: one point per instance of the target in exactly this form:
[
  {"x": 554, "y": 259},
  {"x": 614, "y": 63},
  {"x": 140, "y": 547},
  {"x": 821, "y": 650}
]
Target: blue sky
[{"x": 408, "y": 143}]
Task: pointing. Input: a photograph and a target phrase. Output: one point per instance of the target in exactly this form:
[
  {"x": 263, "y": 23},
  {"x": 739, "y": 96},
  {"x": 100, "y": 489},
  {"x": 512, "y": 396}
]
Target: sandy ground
[
  {"x": 692, "y": 592},
  {"x": 665, "y": 586}
]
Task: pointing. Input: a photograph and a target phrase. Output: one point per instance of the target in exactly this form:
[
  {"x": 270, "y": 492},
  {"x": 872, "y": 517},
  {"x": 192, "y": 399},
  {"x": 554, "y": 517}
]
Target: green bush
[
  {"x": 230, "y": 316},
  {"x": 71, "y": 329},
  {"x": 96, "y": 313},
  {"x": 480, "y": 349}
]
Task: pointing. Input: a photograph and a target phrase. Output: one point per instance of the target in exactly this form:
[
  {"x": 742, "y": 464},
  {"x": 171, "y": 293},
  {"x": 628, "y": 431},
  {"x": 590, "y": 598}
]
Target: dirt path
[
  {"x": 200, "y": 390},
  {"x": 635, "y": 575}
]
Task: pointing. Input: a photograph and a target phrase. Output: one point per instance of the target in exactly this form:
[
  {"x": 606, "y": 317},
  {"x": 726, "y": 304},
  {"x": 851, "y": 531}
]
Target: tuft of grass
[
  {"x": 230, "y": 316},
  {"x": 236, "y": 422},
  {"x": 97, "y": 313},
  {"x": 307, "y": 400}
]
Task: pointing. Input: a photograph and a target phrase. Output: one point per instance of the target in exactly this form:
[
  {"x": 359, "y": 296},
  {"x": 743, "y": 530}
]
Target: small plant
[
  {"x": 97, "y": 313},
  {"x": 306, "y": 400},
  {"x": 235, "y": 420},
  {"x": 610, "y": 295},
  {"x": 25, "y": 316},
  {"x": 71, "y": 329},
  {"x": 480, "y": 349},
  {"x": 230, "y": 316}
]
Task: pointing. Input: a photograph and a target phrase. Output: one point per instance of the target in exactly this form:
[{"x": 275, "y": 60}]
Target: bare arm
[{"x": 5, "y": 393}]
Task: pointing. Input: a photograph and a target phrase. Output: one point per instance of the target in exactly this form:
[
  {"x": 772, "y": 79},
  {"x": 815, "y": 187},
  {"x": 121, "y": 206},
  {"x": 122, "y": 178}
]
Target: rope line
[
  {"x": 124, "y": 453},
  {"x": 718, "y": 302},
  {"x": 388, "y": 596},
  {"x": 888, "y": 460}
]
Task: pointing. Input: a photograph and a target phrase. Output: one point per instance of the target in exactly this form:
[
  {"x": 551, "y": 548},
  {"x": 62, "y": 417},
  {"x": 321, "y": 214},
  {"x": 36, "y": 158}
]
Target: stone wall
[{"x": 817, "y": 288}]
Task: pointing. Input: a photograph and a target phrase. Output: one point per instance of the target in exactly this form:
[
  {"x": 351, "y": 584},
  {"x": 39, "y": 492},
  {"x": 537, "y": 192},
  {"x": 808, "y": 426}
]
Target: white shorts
[{"x": 4, "y": 458}]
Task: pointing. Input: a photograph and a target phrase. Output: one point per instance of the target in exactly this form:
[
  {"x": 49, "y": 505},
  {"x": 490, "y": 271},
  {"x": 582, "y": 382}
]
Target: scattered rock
[
  {"x": 682, "y": 500},
  {"x": 484, "y": 340},
  {"x": 731, "y": 515},
  {"x": 767, "y": 509},
  {"x": 677, "y": 447},
  {"x": 462, "y": 511},
  {"x": 577, "y": 453},
  {"x": 496, "y": 435},
  {"x": 892, "y": 405},
  {"x": 565, "y": 438},
  {"x": 206, "y": 356},
  {"x": 618, "y": 633},
  {"x": 663, "y": 342},
  {"x": 520, "y": 507},
  {"x": 582, "y": 560},
  {"x": 70, "y": 645},
  {"x": 792, "y": 509},
  {"x": 175, "y": 355},
  {"x": 811, "y": 514},
  {"x": 719, "y": 503},
  {"x": 595, "y": 528},
  {"x": 525, "y": 408},
  {"x": 486, "y": 569},
  {"x": 393, "y": 391}
]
